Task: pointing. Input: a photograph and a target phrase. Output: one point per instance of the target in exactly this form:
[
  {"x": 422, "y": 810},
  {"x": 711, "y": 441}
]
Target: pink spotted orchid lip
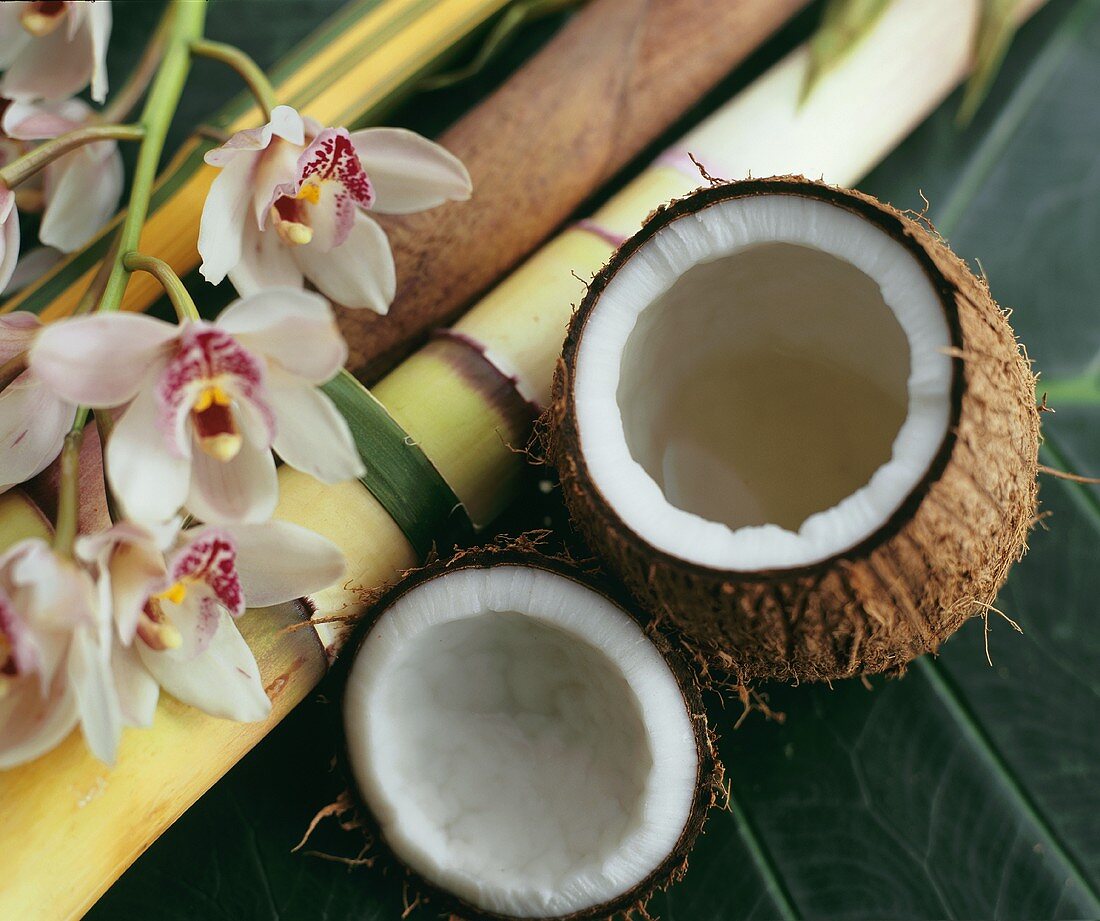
[
  {"x": 202, "y": 581},
  {"x": 318, "y": 206},
  {"x": 208, "y": 373}
]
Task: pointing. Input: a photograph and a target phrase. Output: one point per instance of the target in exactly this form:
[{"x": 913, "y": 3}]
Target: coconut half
[
  {"x": 521, "y": 745},
  {"x": 794, "y": 422}
]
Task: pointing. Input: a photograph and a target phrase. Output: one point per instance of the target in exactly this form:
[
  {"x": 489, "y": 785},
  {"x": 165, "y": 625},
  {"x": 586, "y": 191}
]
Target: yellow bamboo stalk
[{"x": 66, "y": 810}]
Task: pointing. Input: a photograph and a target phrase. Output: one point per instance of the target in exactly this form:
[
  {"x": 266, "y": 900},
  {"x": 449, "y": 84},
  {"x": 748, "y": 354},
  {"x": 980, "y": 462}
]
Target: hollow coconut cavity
[
  {"x": 521, "y": 745},
  {"x": 796, "y": 424}
]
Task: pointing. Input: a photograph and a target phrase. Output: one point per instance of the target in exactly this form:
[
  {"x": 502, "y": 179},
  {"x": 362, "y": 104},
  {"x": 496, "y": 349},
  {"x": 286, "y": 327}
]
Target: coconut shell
[
  {"x": 939, "y": 560},
  {"x": 355, "y": 814}
]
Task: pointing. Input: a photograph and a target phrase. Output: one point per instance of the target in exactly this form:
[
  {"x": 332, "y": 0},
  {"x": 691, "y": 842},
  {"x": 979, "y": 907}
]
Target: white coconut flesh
[
  {"x": 763, "y": 383},
  {"x": 520, "y": 742}
]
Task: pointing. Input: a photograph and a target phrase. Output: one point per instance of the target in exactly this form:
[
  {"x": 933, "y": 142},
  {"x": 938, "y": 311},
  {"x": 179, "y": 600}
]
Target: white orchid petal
[
  {"x": 137, "y": 690},
  {"x": 130, "y": 562},
  {"x": 285, "y": 123},
  {"x": 33, "y": 266},
  {"x": 89, "y": 672},
  {"x": 38, "y": 121},
  {"x": 9, "y": 237},
  {"x": 244, "y": 489},
  {"x": 33, "y": 423},
  {"x": 278, "y": 561},
  {"x": 17, "y": 332},
  {"x": 13, "y": 37},
  {"x": 294, "y": 328},
  {"x": 50, "y": 67},
  {"x": 224, "y": 681},
  {"x": 83, "y": 192},
  {"x": 310, "y": 433},
  {"x": 101, "y": 360},
  {"x": 409, "y": 172},
  {"x": 360, "y": 273},
  {"x": 224, "y": 215},
  {"x": 32, "y": 724},
  {"x": 265, "y": 263},
  {"x": 149, "y": 481}
]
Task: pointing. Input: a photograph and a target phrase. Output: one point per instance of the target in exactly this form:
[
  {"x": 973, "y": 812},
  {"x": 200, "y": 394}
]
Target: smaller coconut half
[
  {"x": 796, "y": 425},
  {"x": 520, "y": 744}
]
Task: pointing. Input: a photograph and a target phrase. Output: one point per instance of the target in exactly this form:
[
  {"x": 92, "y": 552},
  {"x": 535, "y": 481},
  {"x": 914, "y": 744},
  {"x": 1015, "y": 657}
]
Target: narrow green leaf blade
[
  {"x": 996, "y": 27},
  {"x": 843, "y": 25},
  {"x": 398, "y": 473}
]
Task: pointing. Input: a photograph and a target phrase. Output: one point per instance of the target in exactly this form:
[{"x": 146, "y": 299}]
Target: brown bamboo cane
[
  {"x": 615, "y": 77},
  {"x": 67, "y": 810}
]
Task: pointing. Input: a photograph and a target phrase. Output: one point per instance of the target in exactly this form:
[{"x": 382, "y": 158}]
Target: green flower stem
[
  {"x": 30, "y": 163},
  {"x": 188, "y": 18},
  {"x": 169, "y": 280},
  {"x": 68, "y": 498},
  {"x": 246, "y": 68}
]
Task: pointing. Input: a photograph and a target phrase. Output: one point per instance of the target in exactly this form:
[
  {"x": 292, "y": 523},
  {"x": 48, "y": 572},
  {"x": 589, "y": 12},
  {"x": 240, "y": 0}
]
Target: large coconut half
[
  {"x": 522, "y": 746},
  {"x": 797, "y": 425}
]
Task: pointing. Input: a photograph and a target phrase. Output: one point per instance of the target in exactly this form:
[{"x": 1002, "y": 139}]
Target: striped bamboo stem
[{"x": 455, "y": 398}]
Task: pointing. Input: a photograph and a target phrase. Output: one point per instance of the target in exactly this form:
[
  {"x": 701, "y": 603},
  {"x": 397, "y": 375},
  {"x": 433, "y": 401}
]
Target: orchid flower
[
  {"x": 33, "y": 420},
  {"x": 81, "y": 189},
  {"x": 290, "y": 204},
  {"x": 55, "y": 657},
  {"x": 175, "y": 597},
  {"x": 206, "y": 402},
  {"x": 52, "y": 49}
]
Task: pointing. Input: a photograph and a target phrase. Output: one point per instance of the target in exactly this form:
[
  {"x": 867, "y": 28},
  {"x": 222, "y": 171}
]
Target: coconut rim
[
  {"x": 709, "y": 771},
  {"x": 891, "y": 223}
]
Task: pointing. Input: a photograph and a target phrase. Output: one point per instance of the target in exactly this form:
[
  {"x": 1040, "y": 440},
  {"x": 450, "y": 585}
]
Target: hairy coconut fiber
[{"x": 937, "y": 561}]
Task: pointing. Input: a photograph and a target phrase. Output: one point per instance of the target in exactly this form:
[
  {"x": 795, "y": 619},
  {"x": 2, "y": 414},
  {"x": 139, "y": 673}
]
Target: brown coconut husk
[
  {"x": 936, "y": 562},
  {"x": 353, "y": 813}
]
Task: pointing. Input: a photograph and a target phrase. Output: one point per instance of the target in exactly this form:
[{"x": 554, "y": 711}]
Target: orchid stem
[
  {"x": 248, "y": 70},
  {"x": 68, "y": 498},
  {"x": 92, "y": 294},
  {"x": 164, "y": 95},
  {"x": 30, "y": 163},
  {"x": 169, "y": 281},
  {"x": 126, "y": 99}
]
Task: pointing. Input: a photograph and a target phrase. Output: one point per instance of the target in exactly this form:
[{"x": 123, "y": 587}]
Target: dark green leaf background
[{"x": 959, "y": 791}]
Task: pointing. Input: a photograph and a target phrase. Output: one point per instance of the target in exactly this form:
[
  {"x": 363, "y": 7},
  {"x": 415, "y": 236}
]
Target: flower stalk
[
  {"x": 68, "y": 498},
  {"x": 177, "y": 293},
  {"x": 31, "y": 162},
  {"x": 188, "y": 20},
  {"x": 249, "y": 71}
]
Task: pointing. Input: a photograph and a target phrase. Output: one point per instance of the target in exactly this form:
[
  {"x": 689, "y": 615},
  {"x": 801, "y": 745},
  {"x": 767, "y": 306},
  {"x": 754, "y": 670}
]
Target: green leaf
[
  {"x": 398, "y": 473},
  {"x": 995, "y": 30},
  {"x": 958, "y": 791},
  {"x": 843, "y": 25}
]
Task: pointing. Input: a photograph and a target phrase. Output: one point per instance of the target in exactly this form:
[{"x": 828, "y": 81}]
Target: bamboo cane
[{"x": 67, "y": 811}]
